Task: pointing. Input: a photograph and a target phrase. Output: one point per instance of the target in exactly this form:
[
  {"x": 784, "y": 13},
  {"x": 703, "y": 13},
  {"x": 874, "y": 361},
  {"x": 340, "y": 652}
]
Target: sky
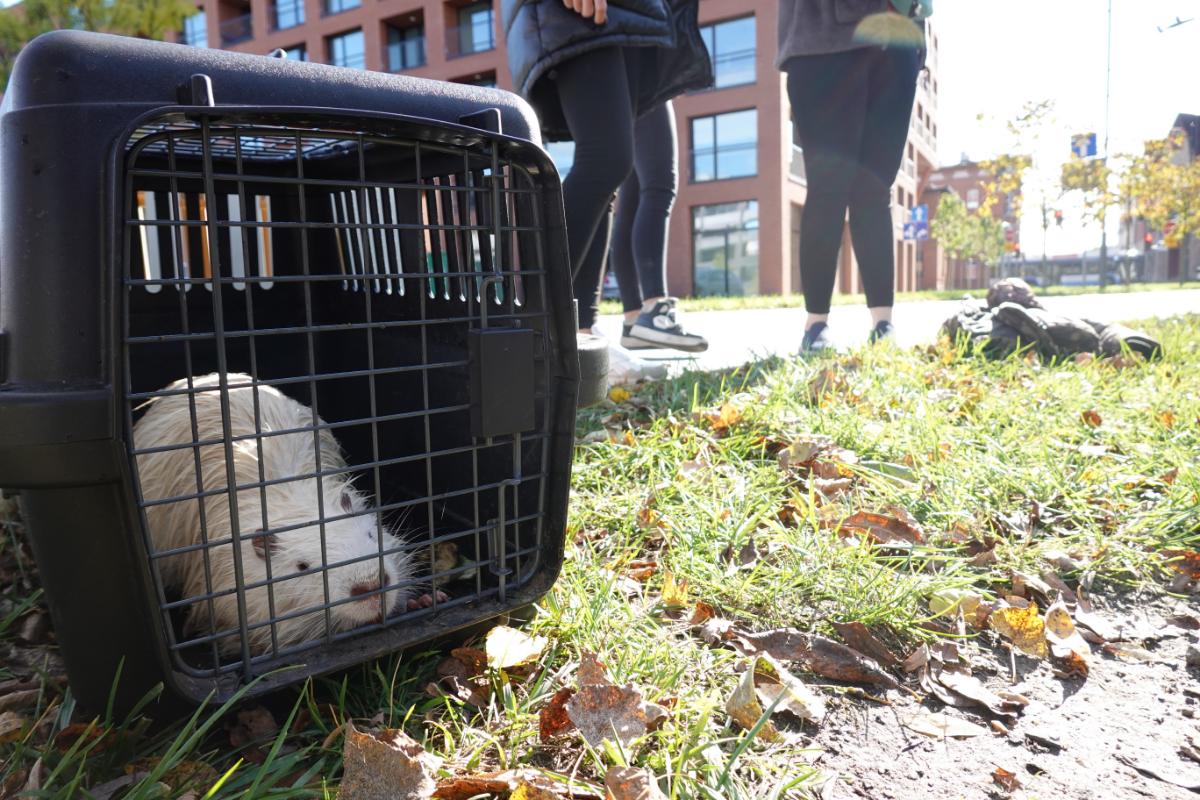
[{"x": 996, "y": 56}]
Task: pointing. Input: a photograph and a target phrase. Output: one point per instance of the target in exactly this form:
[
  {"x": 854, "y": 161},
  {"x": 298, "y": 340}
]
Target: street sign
[
  {"x": 918, "y": 231},
  {"x": 919, "y": 213},
  {"x": 1083, "y": 144}
]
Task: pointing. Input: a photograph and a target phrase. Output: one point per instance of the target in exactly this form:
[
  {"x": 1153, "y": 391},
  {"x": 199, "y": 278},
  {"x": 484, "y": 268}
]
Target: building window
[
  {"x": 195, "y": 30},
  {"x": 725, "y": 145},
  {"x": 731, "y": 46},
  {"x": 405, "y": 47},
  {"x": 725, "y": 249},
  {"x": 287, "y": 14},
  {"x": 972, "y": 198},
  {"x": 338, "y": 6},
  {"x": 476, "y": 31},
  {"x": 346, "y": 50},
  {"x": 484, "y": 79},
  {"x": 297, "y": 53}
]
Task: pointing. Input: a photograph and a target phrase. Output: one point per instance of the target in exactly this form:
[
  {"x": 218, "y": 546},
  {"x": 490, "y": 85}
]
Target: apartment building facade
[{"x": 736, "y": 225}]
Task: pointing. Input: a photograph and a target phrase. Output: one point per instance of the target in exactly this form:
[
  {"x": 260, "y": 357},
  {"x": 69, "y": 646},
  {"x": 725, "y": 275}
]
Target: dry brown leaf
[
  {"x": 701, "y": 613},
  {"x": 827, "y": 381},
  {"x": 607, "y": 711},
  {"x": 474, "y": 658},
  {"x": 1186, "y": 562},
  {"x": 1166, "y": 418},
  {"x": 12, "y": 726},
  {"x": 776, "y": 686},
  {"x": 466, "y": 787},
  {"x": 786, "y": 644},
  {"x": 899, "y": 526},
  {"x": 20, "y": 700},
  {"x": 744, "y": 708},
  {"x": 386, "y": 765},
  {"x": 969, "y": 691},
  {"x": 632, "y": 783},
  {"x": 941, "y": 726},
  {"x": 527, "y": 791},
  {"x": 835, "y": 660},
  {"x": 1070, "y": 665},
  {"x": 641, "y": 569},
  {"x": 508, "y": 647},
  {"x": 1004, "y": 779},
  {"x": 1022, "y": 626},
  {"x": 859, "y": 636},
  {"x": 801, "y": 452},
  {"x": 674, "y": 594},
  {"x": 1091, "y": 418},
  {"x": 831, "y": 487},
  {"x": 252, "y": 725},
  {"x": 746, "y": 556},
  {"x": 476, "y": 692},
  {"x": 553, "y": 719},
  {"x": 1169, "y": 476},
  {"x": 592, "y": 670}
]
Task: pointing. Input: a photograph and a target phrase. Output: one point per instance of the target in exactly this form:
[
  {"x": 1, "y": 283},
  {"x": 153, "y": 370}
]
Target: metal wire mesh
[{"x": 298, "y": 301}]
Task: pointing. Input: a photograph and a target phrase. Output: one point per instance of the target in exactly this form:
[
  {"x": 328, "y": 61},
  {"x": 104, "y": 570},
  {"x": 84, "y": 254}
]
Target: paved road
[{"x": 736, "y": 337}]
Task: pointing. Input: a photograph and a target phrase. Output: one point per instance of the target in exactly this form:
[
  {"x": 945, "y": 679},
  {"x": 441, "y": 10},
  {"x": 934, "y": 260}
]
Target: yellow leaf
[
  {"x": 1061, "y": 633},
  {"x": 628, "y": 439},
  {"x": 674, "y": 594},
  {"x": 1023, "y": 627},
  {"x": 619, "y": 394},
  {"x": 527, "y": 791},
  {"x": 508, "y": 647},
  {"x": 1166, "y": 418}
]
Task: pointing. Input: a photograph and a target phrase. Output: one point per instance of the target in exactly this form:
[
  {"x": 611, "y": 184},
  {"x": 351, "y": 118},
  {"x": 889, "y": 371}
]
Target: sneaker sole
[
  {"x": 663, "y": 339},
  {"x": 630, "y": 343}
]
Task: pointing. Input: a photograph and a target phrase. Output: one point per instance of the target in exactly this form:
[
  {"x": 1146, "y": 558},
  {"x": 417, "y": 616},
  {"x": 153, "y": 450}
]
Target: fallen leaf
[
  {"x": 475, "y": 659},
  {"x": 883, "y": 528},
  {"x": 746, "y": 556},
  {"x": 701, "y": 613},
  {"x": 674, "y": 594},
  {"x": 803, "y": 450},
  {"x": 1091, "y": 418},
  {"x": 786, "y": 644},
  {"x": 608, "y": 711},
  {"x": 1131, "y": 652},
  {"x": 1061, "y": 633},
  {"x": 1186, "y": 778},
  {"x": 948, "y": 601},
  {"x": 619, "y": 394},
  {"x": 1022, "y": 626},
  {"x": 1004, "y": 779},
  {"x": 744, "y": 708},
  {"x": 1166, "y": 418},
  {"x": 12, "y": 725},
  {"x": 386, "y": 765},
  {"x": 476, "y": 692},
  {"x": 179, "y": 776},
  {"x": 825, "y": 382},
  {"x": 917, "y": 659},
  {"x": 776, "y": 686},
  {"x": 592, "y": 670},
  {"x": 1186, "y": 562},
  {"x": 466, "y": 787},
  {"x": 859, "y": 636},
  {"x": 508, "y": 647},
  {"x": 721, "y": 418},
  {"x": 641, "y": 569},
  {"x": 252, "y": 725},
  {"x": 1169, "y": 476},
  {"x": 941, "y": 726},
  {"x": 972, "y": 692},
  {"x": 553, "y": 719},
  {"x": 632, "y": 783},
  {"x": 831, "y": 487},
  {"x": 835, "y": 660},
  {"x": 20, "y": 700},
  {"x": 1071, "y": 665},
  {"x": 527, "y": 791}
]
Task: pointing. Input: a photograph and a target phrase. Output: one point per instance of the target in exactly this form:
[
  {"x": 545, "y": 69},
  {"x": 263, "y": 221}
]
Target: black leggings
[
  {"x": 595, "y": 91},
  {"x": 639, "y": 235},
  {"x": 851, "y": 114}
]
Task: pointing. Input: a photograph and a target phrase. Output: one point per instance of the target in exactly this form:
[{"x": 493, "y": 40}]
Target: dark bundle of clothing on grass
[{"x": 1012, "y": 319}]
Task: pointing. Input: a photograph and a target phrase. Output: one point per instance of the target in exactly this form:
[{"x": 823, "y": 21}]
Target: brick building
[
  {"x": 938, "y": 269},
  {"x": 736, "y": 225}
]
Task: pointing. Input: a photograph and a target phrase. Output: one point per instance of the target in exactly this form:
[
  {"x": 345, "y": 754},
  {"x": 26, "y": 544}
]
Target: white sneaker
[
  {"x": 659, "y": 327},
  {"x": 626, "y": 368}
]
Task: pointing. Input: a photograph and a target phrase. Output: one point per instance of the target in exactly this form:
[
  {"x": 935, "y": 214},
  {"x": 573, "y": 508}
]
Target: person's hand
[{"x": 597, "y": 10}]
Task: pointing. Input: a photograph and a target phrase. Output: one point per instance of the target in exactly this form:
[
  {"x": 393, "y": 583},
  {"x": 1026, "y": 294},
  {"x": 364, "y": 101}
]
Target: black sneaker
[
  {"x": 659, "y": 327},
  {"x": 631, "y": 342},
  {"x": 882, "y": 330},
  {"x": 816, "y": 339}
]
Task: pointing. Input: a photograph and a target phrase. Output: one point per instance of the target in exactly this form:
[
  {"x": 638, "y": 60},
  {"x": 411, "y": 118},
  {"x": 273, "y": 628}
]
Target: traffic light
[
  {"x": 1147, "y": 240},
  {"x": 1058, "y": 218}
]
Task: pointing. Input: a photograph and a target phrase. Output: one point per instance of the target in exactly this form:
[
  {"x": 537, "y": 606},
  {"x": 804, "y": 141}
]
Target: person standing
[
  {"x": 852, "y": 70},
  {"x": 590, "y": 69}
]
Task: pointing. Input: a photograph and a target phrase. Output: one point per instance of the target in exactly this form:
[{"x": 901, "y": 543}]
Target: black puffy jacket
[{"x": 541, "y": 34}]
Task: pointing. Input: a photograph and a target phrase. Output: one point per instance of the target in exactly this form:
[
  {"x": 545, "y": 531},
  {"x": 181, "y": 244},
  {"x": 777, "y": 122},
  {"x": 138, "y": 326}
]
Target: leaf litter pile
[{"x": 895, "y": 574}]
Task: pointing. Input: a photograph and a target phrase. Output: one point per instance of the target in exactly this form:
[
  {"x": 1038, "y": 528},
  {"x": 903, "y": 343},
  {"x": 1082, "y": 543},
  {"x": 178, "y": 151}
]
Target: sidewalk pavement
[{"x": 736, "y": 337}]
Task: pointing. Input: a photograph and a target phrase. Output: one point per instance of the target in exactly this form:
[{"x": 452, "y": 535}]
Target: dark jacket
[
  {"x": 541, "y": 34},
  {"x": 816, "y": 27}
]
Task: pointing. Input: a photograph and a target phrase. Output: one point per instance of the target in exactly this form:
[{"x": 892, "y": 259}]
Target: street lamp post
[{"x": 1104, "y": 158}]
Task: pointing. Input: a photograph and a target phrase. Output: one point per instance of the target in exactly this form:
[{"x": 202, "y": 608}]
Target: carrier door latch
[
  {"x": 197, "y": 91},
  {"x": 501, "y": 365}
]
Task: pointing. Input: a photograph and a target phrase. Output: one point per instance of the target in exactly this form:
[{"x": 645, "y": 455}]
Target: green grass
[
  {"x": 797, "y": 300},
  {"x": 961, "y": 443}
]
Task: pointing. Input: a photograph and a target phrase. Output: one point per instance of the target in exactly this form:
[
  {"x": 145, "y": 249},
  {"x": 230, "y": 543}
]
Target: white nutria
[{"x": 352, "y": 537}]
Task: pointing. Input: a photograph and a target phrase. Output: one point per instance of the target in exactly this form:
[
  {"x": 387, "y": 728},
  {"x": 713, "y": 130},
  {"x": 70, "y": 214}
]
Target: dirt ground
[{"x": 1098, "y": 738}]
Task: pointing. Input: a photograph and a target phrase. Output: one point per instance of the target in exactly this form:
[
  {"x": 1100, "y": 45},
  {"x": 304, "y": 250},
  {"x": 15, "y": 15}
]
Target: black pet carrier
[{"x": 342, "y": 292}]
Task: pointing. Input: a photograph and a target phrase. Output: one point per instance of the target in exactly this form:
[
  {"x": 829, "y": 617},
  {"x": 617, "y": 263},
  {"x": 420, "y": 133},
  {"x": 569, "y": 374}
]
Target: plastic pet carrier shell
[{"x": 345, "y": 294}]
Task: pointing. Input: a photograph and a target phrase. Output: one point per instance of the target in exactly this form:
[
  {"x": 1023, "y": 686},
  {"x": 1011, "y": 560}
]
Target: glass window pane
[
  {"x": 704, "y": 154},
  {"x": 338, "y": 6},
  {"x": 195, "y": 30},
  {"x": 297, "y": 53},
  {"x": 725, "y": 145},
  {"x": 288, "y": 13},
  {"x": 347, "y": 50},
  {"x": 725, "y": 246},
  {"x": 475, "y": 28}
]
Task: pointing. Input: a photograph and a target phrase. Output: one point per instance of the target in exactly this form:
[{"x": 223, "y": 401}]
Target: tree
[
  {"x": 1163, "y": 185},
  {"x": 146, "y": 19},
  {"x": 965, "y": 233}
]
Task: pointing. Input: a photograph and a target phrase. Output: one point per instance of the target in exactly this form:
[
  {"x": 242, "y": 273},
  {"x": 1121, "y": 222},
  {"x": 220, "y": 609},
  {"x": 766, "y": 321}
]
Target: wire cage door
[{"x": 339, "y": 355}]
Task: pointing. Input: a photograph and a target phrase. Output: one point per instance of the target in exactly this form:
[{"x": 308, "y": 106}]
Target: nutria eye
[
  {"x": 302, "y": 566},
  {"x": 347, "y": 503}
]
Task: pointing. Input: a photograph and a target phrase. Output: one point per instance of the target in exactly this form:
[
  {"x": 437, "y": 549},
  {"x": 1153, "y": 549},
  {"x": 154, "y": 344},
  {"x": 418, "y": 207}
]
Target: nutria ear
[{"x": 262, "y": 543}]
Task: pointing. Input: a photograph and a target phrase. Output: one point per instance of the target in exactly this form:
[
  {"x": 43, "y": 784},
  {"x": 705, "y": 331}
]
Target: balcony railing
[
  {"x": 236, "y": 29},
  {"x": 465, "y": 40},
  {"x": 796, "y": 167}
]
